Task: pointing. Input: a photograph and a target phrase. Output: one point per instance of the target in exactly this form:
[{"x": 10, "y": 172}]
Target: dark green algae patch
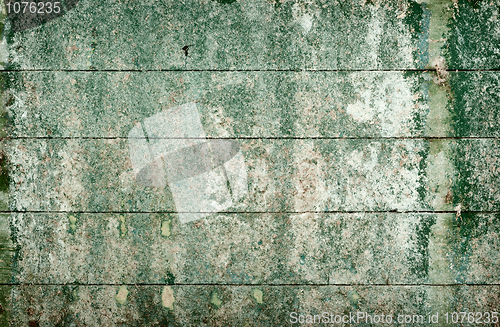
[
  {"x": 474, "y": 35},
  {"x": 6, "y": 242},
  {"x": 474, "y": 236},
  {"x": 474, "y": 105},
  {"x": 417, "y": 19},
  {"x": 474, "y": 190}
]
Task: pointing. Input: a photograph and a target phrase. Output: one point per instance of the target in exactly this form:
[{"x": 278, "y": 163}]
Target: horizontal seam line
[
  {"x": 248, "y": 70},
  {"x": 258, "y": 212},
  {"x": 246, "y": 285},
  {"x": 256, "y": 138}
]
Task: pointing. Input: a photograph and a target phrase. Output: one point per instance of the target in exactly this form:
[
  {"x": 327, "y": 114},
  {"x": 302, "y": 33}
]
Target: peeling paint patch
[
  {"x": 167, "y": 297},
  {"x": 121, "y": 296},
  {"x": 215, "y": 300},
  {"x": 165, "y": 228},
  {"x": 72, "y": 223},
  {"x": 123, "y": 226},
  {"x": 257, "y": 294}
]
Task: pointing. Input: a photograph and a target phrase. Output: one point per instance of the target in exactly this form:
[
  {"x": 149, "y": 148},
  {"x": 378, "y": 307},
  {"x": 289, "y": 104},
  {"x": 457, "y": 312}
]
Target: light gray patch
[{"x": 204, "y": 176}]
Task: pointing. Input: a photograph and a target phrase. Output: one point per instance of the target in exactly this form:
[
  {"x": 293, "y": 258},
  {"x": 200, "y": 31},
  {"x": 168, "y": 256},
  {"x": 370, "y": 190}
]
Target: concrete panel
[
  {"x": 256, "y": 104},
  {"x": 96, "y": 175},
  {"x": 340, "y": 248},
  {"x": 218, "y": 305},
  {"x": 331, "y": 35}
]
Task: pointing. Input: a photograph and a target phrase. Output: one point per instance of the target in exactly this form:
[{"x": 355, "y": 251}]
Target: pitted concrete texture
[
  {"x": 390, "y": 248},
  {"x": 233, "y": 305},
  {"x": 256, "y": 104},
  {"x": 250, "y": 163},
  {"x": 96, "y": 175}
]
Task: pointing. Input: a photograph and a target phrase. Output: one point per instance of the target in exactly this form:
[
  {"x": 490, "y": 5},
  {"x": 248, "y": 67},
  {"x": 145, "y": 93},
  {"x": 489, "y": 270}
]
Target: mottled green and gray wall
[{"x": 370, "y": 132}]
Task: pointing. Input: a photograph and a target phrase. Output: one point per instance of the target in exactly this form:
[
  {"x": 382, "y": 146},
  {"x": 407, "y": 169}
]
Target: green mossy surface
[
  {"x": 238, "y": 35},
  {"x": 389, "y": 248},
  {"x": 475, "y": 190},
  {"x": 230, "y": 104},
  {"x": 232, "y": 249},
  {"x": 102, "y": 178},
  {"x": 6, "y": 266},
  {"x": 474, "y": 35},
  {"x": 258, "y": 104},
  {"x": 193, "y": 306},
  {"x": 475, "y": 104},
  {"x": 368, "y": 178}
]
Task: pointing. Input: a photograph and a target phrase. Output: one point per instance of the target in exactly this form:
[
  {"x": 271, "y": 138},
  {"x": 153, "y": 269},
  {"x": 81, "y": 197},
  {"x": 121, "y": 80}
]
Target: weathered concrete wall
[{"x": 230, "y": 162}]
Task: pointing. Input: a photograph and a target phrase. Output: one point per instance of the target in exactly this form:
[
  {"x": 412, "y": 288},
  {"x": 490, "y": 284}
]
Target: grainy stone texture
[
  {"x": 384, "y": 248},
  {"x": 231, "y": 305},
  {"x": 283, "y": 175},
  {"x": 252, "y": 104},
  {"x": 360, "y": 169},
  {"x": 261, "y": 35},
  {"x": 237, "y": 35}
]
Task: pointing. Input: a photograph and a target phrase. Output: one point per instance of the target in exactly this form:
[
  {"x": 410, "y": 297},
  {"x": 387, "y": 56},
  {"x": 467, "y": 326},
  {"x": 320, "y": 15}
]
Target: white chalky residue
[
  {"x": 71, "y": 184},
  {"x": 306, "y": 21},
  {"x": 405, "y": 47},
  {"x": 18, "y": 109},
  {"x": 4, "y": 52},
  {"x": 302, "y": 17},
  {"x": 373, "y": 39},
  {"x": 362, "y": 110},
  {"x": 405, "y": 229},
  {"x": 378, "y": 183},
  {"x": 357, "y": 158},
  {"x": 27, "y": 194},
  {"x": 374, "y": 36},
  {"x": 386, "y": 100},
  {"x": 19, "y": 157}
]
